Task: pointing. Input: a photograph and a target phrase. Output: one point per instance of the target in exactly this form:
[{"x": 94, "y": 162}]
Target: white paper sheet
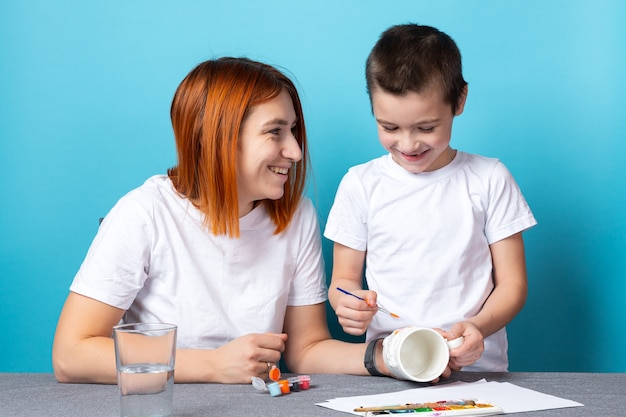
[{"x": 510, "y": 397}]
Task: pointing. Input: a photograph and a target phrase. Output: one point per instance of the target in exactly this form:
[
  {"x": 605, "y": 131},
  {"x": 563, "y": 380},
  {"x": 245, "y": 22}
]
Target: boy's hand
[
  {"x": 471, "y": 349},
  {"x": 355, "y": 315}
]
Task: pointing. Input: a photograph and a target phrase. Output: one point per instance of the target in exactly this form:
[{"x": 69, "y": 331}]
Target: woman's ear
[{"x": 461, "y": 105}]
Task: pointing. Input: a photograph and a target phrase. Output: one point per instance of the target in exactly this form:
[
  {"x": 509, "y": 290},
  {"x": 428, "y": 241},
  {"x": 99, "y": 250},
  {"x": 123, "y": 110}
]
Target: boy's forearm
[
  {"x": 345, "y": 283},
  {"x": 501, "y": 307},
  {"x": 511, "y": 285}
]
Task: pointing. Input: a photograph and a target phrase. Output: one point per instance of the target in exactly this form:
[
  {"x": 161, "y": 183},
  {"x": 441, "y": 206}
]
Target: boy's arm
[
  {"x": 511, "y": 286},
  {"x": 347, "y": 273},
  {"x": 353, "y": 314},
  {"x": 506, "y": 300}
]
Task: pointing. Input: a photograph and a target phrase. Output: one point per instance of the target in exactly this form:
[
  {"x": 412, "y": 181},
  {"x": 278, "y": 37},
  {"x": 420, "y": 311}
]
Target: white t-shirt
[
  {"x": 153, "y": 257},
  {"x": 427, "y": 239}
]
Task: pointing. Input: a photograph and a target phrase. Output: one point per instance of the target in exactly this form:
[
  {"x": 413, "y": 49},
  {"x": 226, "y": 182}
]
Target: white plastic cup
[{"x": 417, "y": 353}]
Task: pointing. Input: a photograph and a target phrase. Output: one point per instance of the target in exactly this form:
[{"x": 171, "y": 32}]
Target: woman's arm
[
  {"x": 310, "y": 348},
  {"x": 83, "y": 349}
]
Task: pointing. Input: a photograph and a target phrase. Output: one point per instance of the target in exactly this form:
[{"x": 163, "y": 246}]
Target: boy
[{"x": 439, "y": 230}]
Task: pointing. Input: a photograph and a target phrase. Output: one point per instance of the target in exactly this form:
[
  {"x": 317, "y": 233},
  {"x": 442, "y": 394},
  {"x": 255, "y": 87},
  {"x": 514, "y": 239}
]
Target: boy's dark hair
[{"x": 414, "y": 58}]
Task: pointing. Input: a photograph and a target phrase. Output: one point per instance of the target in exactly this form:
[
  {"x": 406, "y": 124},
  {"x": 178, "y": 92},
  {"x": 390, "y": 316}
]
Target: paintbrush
[{"x": 395, "y": 316}]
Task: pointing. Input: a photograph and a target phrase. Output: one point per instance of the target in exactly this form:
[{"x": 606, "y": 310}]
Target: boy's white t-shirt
[
  {"x": 427, "y": 239},
  {"x": 153, "y": 257}
]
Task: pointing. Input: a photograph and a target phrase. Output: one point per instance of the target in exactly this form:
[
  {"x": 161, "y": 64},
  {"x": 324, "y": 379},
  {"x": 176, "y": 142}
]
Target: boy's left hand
[{"x": 471, "y": 349}]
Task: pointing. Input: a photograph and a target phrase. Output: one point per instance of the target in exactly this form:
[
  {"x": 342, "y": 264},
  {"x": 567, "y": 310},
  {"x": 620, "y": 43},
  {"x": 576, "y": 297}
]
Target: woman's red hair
[{"x": 208, "y": 111}]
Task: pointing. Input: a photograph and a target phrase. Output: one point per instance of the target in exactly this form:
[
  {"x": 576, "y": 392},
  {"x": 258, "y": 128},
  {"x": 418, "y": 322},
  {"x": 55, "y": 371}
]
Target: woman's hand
[{"x": 247, "y": 356}]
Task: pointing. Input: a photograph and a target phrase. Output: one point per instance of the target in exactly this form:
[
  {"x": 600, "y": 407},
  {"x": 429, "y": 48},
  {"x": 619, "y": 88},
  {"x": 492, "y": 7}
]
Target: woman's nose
[{"x": 292, "y": 149}]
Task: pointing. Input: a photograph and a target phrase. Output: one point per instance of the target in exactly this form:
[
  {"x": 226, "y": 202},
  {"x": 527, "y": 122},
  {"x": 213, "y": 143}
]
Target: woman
[{"x": 225, "y": 246}]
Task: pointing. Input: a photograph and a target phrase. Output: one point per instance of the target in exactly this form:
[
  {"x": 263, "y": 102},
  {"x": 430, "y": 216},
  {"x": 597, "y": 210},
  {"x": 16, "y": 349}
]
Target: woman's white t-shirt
[{"x": 153, "y": 257}]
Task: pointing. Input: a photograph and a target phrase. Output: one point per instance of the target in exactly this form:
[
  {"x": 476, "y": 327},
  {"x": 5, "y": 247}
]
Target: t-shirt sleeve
[
  {"x": 347, "y": 219},
  {"x": 508, "y": 212},
  {"x": 309, "y": 283},
  {"x": 116, "y": 265}
]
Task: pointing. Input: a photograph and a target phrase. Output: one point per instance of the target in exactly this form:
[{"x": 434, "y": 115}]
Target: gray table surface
[{"x": 32, "y": 394}]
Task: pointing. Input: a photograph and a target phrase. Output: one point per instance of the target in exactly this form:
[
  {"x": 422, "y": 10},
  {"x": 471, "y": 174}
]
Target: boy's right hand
[{"x": 355, "y": 315}]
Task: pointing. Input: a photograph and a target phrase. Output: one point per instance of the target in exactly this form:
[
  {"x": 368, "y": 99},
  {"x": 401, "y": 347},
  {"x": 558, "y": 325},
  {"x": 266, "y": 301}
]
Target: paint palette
[{"x": 466, "y": 407}]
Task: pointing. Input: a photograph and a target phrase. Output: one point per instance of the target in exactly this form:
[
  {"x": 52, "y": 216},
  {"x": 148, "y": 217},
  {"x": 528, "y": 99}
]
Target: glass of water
[{"x": 145, "y": 355}]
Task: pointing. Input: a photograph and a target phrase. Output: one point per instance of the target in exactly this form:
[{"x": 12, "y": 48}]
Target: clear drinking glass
[{"x": 145, "y": 355}]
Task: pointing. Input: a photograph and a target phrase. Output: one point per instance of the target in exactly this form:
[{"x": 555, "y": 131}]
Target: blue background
[{"x": 85, "y": 90}]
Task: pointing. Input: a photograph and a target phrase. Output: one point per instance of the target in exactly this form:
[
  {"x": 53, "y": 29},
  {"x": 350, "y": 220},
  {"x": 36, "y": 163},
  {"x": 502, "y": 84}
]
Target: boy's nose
[{"x": 408, "y": 142}]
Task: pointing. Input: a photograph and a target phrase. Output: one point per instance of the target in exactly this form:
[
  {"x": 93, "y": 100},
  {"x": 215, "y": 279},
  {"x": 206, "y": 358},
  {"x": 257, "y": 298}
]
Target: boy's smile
[{"x": 415, "y": 128}]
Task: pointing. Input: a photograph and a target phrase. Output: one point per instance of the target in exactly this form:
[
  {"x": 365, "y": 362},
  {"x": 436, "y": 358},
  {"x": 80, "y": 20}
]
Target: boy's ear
[{"x": 461, "y": 104}]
